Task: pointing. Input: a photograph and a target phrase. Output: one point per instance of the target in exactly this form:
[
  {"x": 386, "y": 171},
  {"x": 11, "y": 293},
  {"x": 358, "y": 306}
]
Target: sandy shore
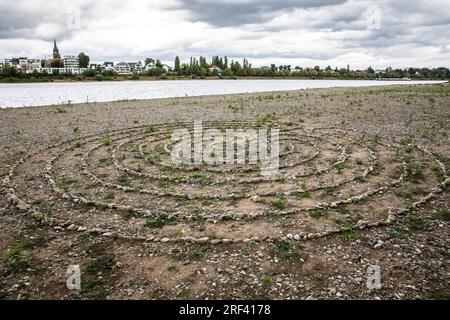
[{"x": 364, "y": 181}]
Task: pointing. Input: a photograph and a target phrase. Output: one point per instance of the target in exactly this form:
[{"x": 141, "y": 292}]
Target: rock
[
  {"x": 164, "y": 240},
  {"x": 202, "y": 240},
  {"x": 297, "y": 237},
  {"x": 71, "y": 227},
  {"x": 379, "y": 244},
  {"x": 289, "y": 236},
  {"x": 119, "y": 264},
  {"x": 107, "y": 234},
  {"x": 215, "y": 241}
]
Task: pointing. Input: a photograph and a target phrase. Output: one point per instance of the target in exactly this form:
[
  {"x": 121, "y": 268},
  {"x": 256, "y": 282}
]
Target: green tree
[
  {"x": 177, "y": 64},
  {"x": 84, "y": 60}
]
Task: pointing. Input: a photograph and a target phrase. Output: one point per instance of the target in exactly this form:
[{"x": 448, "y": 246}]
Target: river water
[{"x": 50, "y": 93}]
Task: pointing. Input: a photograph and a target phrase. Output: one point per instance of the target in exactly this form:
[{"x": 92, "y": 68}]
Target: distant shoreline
[{"x": 176, "y": 78}]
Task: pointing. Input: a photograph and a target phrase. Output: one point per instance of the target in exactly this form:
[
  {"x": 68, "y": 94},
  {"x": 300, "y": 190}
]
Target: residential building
[
  {"x": 135, "y": 67},
  {"x": 150, "y": 66},
  {"x": 23, "y": 64},
  {"x": 107, "y": 66},
  {"x": 33, "y": 64},
  {"x": 71, "y": 62},
  {"x": 64, "y": 71},
  {"x": 215, "y": 69},
  {"x": 122, "y": 68},
  {"x": 13, "y": 63}
]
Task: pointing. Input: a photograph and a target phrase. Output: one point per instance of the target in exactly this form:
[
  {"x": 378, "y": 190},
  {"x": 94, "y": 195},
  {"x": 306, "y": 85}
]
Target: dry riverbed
[{"x": 364, "y": 177}]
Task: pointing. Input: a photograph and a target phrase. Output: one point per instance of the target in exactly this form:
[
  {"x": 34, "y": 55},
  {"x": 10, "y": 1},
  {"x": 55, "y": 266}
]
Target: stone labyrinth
[{"x": 123, "y": 184}]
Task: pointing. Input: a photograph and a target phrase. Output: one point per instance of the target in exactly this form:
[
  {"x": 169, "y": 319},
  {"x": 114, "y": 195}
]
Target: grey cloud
[{"x": 223, "y": 13}]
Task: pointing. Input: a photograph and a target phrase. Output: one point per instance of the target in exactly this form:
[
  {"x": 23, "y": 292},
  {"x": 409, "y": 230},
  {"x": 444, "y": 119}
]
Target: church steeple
[{"x": 56, "y": 55}]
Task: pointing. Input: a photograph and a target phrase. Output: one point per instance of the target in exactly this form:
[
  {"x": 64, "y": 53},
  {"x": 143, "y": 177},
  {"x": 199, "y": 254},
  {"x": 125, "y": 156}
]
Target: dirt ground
[{"x": 363, "y": 186}]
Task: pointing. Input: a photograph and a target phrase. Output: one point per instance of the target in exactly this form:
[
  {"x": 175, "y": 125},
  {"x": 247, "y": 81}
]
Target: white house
[
  {"x": 135, "y": 67},
  {"x": 71, "y": 62},
  {"x": 215, "y": 69},
  {"x": 150, "y": 66},
  {"x": 107, "y": 66},
  {"x": 122, "y": 68},
  {"x": 33, "y": 64},
  {"x": 76, "y": 71}
]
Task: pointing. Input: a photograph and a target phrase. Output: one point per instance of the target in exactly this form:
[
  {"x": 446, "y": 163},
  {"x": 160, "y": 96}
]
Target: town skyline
[{"x": 361, "y": 33}]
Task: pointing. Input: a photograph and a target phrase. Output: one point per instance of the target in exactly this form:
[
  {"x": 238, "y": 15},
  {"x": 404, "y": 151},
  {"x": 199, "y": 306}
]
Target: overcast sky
[{"x": 361, "y": 33}]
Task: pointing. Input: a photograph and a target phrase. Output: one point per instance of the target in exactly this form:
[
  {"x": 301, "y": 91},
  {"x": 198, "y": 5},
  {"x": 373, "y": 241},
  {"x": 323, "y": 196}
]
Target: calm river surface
[{"x": 40, "y": 94}]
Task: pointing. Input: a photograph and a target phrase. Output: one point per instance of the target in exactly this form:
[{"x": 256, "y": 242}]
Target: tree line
[{"x": 224, "y": 68}]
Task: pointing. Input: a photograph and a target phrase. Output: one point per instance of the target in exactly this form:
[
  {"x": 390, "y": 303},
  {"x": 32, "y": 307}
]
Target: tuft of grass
[
  {"x": 60, "y": 110},
  {"x": 172, "y": 267},
  {"x": 444, "y": 214},
  {"x": 192, "y": 253},
  {"x": 415, "y": 223},
  {"x": 184, "y": 293},
  {"x": 17, "y": 258},
  {"x": 102, "y": 263},
  {"x": 123, "y": 180},
  {"x": 93, "y": 286},
  {"x": 266, "y": 281},
  {"x": 279, "y": 202},
  {"x": 349, "y": 235},
  {"x": 107, "y": 141},
  {"x": 285, "y": 251},
  {"x": 305, "y": 193},
  {"x": 78, "y": 143},
  {"x": 65, "y": 182},
  {"x": 156, "y": 223},
  {"x": 45, "y": 218},
  {"x": 318, "y": 214},
  {"x": 150, "y": 128}
]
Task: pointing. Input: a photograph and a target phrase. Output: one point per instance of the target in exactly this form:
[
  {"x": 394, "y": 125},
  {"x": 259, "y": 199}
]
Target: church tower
[{"x": 56, "y": 55}]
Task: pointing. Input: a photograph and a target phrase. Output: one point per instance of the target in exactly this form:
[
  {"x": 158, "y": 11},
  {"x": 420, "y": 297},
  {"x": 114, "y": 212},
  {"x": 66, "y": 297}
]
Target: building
[
  {"x": 56, "y": 55},
  {"x": 150, "y": 66},
  {"x": 71, "y": 62},
  {"x": 122, "y": 68},
  {"x": 107, "y": 66},
  {"x": 33, "y": 64},
  {"x": 13, "y": 63},
  {"x": 135, "y": 67},
  {"x": 23, "y": 64},
  {"x": 56, "y": 61},
  {"x": 63, "y": 71},
  {"x": 215, "y": 69}
]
